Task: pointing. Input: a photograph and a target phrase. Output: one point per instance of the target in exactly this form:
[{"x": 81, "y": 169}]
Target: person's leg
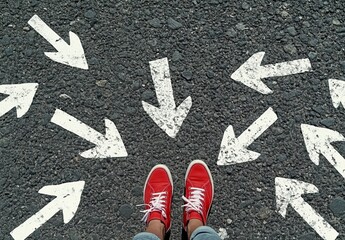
[
  {"x": 158, "y": 191},
  {"x": 198, "y": 197},
  {"x": 204, "y": 233}
]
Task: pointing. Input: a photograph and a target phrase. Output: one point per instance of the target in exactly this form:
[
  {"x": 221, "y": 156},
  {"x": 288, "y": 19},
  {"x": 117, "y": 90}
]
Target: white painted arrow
[
  {"x": 20, "y": 97},
  {"x": 318, "y": 141},
  {"x": 337, "y": 90},
  {"x": 110, "y": 145},
  {"x": 67, "y": 200},
  {"x": 72, "y": 55},
  {"x": 251, "y": 72},
  {"x": 289, "y": 191},
  {"x": 167, "y": 116},
  {"x": 234, "y": 150}
]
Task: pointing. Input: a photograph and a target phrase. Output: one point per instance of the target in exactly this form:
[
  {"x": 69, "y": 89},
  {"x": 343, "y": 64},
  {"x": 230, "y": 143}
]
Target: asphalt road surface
[{"x": 205, "y": 43}]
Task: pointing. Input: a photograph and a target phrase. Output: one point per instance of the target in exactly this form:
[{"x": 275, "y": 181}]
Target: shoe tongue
[
  {"x": 155, "y": 216},
  {"x": 196, "y": 215}
]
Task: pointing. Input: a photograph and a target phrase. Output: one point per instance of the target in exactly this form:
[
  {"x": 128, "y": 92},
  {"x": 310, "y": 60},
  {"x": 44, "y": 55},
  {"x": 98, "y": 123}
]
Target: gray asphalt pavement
[{"x": 205, "y": 42}]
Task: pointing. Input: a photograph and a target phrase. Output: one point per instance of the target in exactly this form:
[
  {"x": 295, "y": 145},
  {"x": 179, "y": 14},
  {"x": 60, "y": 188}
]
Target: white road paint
[
  {"x": 223, "y": 234},
  {"x": 289, "y": 191},
  {"x": 167, "y": 116},
  {"x": 67, "y": 200},
  {"x": 234, "y": 150},
  {"x": 337, "y": 90},
  {"x": 20, "y": 97},
  {"x": 72, "y": 55},
  {"x": 318, "y": 141},
  {"x": 251, "y": 72},
  {"x": 108, "y": 145}
]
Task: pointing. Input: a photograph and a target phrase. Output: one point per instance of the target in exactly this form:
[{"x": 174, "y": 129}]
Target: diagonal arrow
[
  {"x": 67, "y": 199},
  {"x": 318, "y": 141},
  {"x": 20, "y": 97},
  {"x": 251, "y": 72},
  {"x": 110, "y": 145},
  {"x": 337, "y": 90},
  {"x": 234, "y": 150},
  {"x": 72, "y": 55},
  {"x": 167, "y": 116},
  {"x": 289, "y": 192}
]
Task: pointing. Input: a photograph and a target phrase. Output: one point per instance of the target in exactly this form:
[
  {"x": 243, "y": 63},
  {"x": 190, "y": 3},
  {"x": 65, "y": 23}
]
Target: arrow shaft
[
  {"x": 257, "y": 128},
  {"x": 6, "y": 105},
  {"x": 77, "y": 127},
  {"x": 285, "y": 68},
  {"x": 161, "y": 78},
  {"x": 36, "y": 221},
  {"x": 45, "y": 31},
  {"x": 320, "y": 225},
  {"x": 335, "y": 158}
]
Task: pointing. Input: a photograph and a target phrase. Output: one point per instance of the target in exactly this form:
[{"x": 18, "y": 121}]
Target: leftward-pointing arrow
[
  {"x": 72, "y": 55},
  {"x": 108, "y": 145},
  {"x": 20, "y": 97},
  {"x": 251, "y": 72},
  {"x": 337, "y": 90},
  {"x": 167, "y": 116},
  {"x": 67, "y": 199},
  {"x": 289, "y": 192},
  {"x": 318, "y": 141},
  {"x": 234, "y": 150}
]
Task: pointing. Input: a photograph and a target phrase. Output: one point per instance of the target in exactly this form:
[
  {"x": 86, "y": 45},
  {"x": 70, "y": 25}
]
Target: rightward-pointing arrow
[
  {"x": 72, "y": 55},
  {"x": 108, "y": 145},
  {"x": 318, "y": 141},
  {"x": 289, "y": 192},
  {"x": 251, "y": 72},
  {"x": 167, "y": 116},
  {"x": 337, "y": 90},
  {"x": 20, "y": 97},
  {"x": 67, "y": 200},
  {"x": 234, "y": 150}
]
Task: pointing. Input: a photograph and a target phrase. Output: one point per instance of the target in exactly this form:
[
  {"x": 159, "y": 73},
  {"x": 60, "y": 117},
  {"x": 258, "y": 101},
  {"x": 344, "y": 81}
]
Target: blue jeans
[{"x": 201, "y": 233}]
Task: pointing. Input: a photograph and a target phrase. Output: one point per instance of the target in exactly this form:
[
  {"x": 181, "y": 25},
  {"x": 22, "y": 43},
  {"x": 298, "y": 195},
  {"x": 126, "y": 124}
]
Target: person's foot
[
  {"x": 198, "y": 194},
  {"x": 158, "y": 191}
]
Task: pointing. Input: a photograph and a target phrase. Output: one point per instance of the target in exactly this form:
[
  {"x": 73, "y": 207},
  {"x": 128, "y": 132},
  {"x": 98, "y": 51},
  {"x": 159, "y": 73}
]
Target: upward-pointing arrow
[
  {"x": 337, "y": 90},
  {"x": 289, "y": 192},
  {"x": 318, "y": 141},
  {"x": 167, "y": 116},
  {"x": 72, "y": 55},
  {"x": 20, "y": 97},
  {"x": 67, "y": 199},
  {"x": 251, "y": 72}
]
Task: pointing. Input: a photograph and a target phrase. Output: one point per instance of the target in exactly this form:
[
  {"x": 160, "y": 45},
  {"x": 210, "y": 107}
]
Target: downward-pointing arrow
[
  {"x": 167, "y": 116},
  {"x": 110, "y": 145},
  {"x": 20, "y": 97},
  {"x": 72, "y": 55},
  {"x": 289, "y": 191},
  {"x": 234, "y": 150},
  {"x": 318, "y": 141},
  {"x": 337, "y": 90},
  {"x": 251, "y": 72},
  {"x": 67, "y": 199}
]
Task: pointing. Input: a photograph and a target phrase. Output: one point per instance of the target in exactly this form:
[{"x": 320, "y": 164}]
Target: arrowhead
[
  {"x": 72, "y": 55},
  {"x": 67, "y": 197},
  {"x": 169, "y": 120},
  {"x": 318, "y": 140},
  {"x": 20, "y": 96},
  {"x": 289, "y": 190},
  {"x": 232, "y": 151},
  {"x": 250, "y": 74},
  {"x": 337, "y": 90},
  {"x": 111, "y": 146}
]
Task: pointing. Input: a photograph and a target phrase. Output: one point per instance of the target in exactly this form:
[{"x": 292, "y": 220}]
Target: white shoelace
[
  {"x": 157, "y": 204},
  {"x": 195, "y": 201}
]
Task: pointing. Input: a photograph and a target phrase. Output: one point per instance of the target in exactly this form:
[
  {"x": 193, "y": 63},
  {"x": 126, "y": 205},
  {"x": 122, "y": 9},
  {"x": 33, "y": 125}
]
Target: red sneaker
[
  {"x": 158, "y": 192},
  {"x": 198, "y": 194}
]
